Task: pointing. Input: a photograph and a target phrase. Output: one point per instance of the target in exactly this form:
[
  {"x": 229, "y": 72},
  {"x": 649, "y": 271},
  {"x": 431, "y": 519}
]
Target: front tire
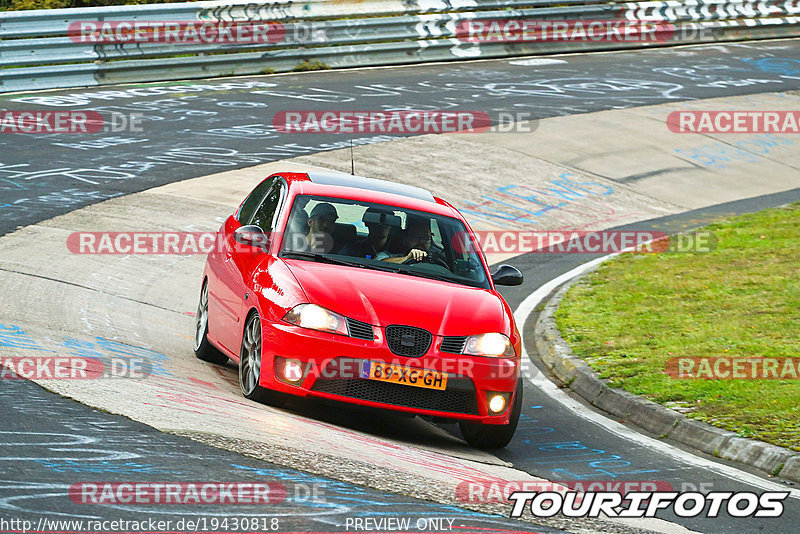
[
  {"x": 250, "y": 365},
  {"x": 483, "y": 436},
  {"x": 203, "y": 349}
]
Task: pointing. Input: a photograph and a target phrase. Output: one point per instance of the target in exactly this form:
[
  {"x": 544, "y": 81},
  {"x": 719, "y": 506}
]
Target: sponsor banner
[
  {"x": 537, "y": 30},
  {"x": 736, "y": 122},
  {"x": 480, "y": 491},
  {"x": 647, "y": 504},
  {"x": 176, "y": 32},
  {"x": 385, "y": 122},
  {"x": 582, "y": 242},
  {"x": 72, "y": 368},
  {"x": 171, "y": 493},
  {"x": 734, "y": 368}
]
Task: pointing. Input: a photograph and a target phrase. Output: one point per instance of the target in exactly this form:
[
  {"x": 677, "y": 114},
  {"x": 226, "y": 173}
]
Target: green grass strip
[{"x": 742, "y": 300}]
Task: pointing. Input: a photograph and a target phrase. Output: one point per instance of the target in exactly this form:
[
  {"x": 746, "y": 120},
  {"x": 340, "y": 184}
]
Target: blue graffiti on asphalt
[
  {"x": 776, "y": 65},
  {"x": 533, "y": 201},
  {"x": 125, "y": 468},
  {"x": 719, "y": 155},
  {"x": 15, "y": 185},
  {"x": 598, "y": 463},
  {"x": 101, "y": 349},
  {"x": 15, "y": 337},
  {"x": 345, "y": 494}
]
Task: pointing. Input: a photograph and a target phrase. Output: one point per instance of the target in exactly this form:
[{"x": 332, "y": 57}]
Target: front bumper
[{"x": 331, "y": 369}]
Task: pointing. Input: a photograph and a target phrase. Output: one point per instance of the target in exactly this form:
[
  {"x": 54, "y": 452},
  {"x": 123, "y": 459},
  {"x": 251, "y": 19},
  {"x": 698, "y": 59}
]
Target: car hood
[{"x": 382, "y": 298}]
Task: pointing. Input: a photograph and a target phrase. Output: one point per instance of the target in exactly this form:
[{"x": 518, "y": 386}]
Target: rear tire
[
  {"x": 250, "y": 365},
  {"x": 203, "y": 349},
  {"x": 483, "y": 436}
]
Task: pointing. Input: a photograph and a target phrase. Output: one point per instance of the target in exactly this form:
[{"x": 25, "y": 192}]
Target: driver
[{"x": 415, "y": 241}]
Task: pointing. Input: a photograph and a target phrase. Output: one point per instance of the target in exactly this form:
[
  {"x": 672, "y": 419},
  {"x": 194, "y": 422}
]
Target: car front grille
[
  {"x": 459, "y": 397},
  {"x": 408, "y": 341},
  {"x": 360, "y": 330},
  {"x": 453, "y": 344}
]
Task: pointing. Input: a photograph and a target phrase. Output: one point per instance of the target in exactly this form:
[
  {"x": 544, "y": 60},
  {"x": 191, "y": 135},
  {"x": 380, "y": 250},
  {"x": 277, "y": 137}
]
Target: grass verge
[{"x": 638, "y": 311}]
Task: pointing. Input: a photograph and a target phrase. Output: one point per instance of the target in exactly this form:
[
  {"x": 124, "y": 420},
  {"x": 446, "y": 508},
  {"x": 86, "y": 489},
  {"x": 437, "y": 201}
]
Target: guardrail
[{"x": 49, "y": 49}]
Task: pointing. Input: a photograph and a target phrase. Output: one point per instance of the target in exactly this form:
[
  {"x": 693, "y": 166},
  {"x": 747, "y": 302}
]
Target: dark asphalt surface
[
  {"x": 195, "y": 128},
  {"x": 225, "y": 124},
  {"x": 49, "y": 444}
]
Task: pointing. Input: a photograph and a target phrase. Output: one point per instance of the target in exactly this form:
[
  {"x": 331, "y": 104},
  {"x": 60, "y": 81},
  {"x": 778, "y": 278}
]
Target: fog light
[
  {"x": 292, "y": 371},
  {"x": 497, "y": 403}
]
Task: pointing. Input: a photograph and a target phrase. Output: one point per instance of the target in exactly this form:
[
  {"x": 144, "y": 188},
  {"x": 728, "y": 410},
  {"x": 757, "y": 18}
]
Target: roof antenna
[{"x": 352, "y": 160}]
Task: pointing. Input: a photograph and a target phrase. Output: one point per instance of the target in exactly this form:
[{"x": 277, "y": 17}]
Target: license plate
[{"x": 409, "y": 376}]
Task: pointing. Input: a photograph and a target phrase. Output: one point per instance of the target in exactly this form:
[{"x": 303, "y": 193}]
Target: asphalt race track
[
  {"x": 225, "y": 124},
  {"x": 94, "y": 446},
  {"x": 48, "y": 443}
]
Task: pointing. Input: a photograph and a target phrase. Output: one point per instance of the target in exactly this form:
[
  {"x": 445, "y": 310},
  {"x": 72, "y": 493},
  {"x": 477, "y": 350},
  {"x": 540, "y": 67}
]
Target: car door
[
  {"x": 242, "y": 263},
  {"x": 225, "y": 279}
]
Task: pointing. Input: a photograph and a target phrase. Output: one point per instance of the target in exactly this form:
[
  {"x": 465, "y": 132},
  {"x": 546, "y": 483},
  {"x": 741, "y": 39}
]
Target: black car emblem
[{"x": 408, "y": 339}]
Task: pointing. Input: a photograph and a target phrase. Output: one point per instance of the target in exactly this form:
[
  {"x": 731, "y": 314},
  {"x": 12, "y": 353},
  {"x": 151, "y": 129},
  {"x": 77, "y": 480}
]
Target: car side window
[
  {"x": 253, "y": 200},
  {"x": 265, "y": 213}
]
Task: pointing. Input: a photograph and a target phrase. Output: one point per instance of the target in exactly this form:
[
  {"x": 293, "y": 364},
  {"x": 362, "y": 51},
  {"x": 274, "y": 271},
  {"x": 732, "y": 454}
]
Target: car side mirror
[
  {"x": 506, "y": 275},
  {"x": 251, "y": 235}
]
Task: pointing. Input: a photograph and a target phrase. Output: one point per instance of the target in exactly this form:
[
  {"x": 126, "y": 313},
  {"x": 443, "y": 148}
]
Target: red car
[{"x": 367, "y": 292}]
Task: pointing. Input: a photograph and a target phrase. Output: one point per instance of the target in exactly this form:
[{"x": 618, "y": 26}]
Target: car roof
[
  {"x": 371, "y": 184},
  {"x": 342, "y": 185}
]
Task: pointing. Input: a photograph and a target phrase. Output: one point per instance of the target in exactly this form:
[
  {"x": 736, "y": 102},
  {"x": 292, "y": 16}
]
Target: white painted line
[
  {"x": 544, "y": 384},
  {"x": 537, "y": 61}
]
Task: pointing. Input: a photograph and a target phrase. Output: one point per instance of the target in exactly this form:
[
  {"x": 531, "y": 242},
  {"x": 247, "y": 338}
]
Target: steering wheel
[{"x": 427, "y": 259}]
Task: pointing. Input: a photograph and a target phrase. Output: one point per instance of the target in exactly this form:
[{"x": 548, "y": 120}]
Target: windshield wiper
[
  {"x": 428, "y": 275},
  {"x": 316, "y": 256}
]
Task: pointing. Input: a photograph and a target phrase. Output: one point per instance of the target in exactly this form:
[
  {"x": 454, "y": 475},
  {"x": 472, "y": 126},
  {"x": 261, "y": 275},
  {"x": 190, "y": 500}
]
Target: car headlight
[
  {"x": 317, "y": 318},
  {"x": 492, "y": 344}
]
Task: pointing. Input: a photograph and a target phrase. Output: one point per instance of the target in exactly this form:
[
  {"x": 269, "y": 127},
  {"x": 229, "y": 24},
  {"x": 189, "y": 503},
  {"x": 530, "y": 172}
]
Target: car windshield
[{"x": 382, "y": 237}]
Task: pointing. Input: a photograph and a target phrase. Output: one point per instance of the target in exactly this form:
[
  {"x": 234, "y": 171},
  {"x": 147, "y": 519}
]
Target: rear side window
[{"x": 253, "y": 200}]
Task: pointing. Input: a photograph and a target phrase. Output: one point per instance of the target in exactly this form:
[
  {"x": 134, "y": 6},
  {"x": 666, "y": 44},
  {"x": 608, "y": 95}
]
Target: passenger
[
  {"x": 298, "y": 227},
  {"x": 377, "y": 221},
  {"x": 321, "y": 224},
  {"x": 415, "y": 242}
]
